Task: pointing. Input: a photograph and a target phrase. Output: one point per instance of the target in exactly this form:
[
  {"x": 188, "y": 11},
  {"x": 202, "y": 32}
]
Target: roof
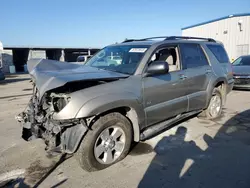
[
  {"x": 218, "y": 19},
  {"x": 166, "y": 39}
]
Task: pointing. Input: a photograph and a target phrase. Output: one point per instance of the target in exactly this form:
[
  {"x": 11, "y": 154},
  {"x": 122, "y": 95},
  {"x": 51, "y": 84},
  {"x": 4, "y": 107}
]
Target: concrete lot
[{"x": 196, "y": 153}]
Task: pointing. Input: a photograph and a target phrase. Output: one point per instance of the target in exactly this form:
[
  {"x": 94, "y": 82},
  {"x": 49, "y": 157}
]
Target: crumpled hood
[
  {"x": 51, "y": 74},
  {"x": 241, "y": 70}
]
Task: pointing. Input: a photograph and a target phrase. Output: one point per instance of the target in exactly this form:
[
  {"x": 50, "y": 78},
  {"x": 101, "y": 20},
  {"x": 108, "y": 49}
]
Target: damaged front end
[
  {"x": 37, "y": 121},
  {"x": 51, "y": 113}
]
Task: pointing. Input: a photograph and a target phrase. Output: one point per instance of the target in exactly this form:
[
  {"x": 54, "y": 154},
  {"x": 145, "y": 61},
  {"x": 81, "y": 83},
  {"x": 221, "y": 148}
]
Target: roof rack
[
  {"x": 144, "y": 39},
  {"x": 170, "y": 38},
  {"x": 183, "y": 37}
]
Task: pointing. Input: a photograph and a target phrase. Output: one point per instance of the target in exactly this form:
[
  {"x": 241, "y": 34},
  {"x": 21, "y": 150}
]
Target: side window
[
  {"x": 169, "y": 55},
  {"x": 219, "y": 52},
  {"x": 192, "y": 56}
]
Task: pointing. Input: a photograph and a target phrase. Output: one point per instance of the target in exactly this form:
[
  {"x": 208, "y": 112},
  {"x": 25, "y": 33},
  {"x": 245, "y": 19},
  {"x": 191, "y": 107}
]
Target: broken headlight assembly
[{"x": 59, "y": 101}]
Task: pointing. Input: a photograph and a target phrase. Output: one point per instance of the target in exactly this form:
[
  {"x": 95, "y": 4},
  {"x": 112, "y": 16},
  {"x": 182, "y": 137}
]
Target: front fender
[
  {"x": 108, "y": 102},
  {"x": 111, "y": 101}
]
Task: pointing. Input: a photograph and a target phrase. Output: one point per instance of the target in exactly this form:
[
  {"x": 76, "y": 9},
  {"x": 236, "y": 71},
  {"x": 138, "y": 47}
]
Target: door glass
[
  {"x": 192, "y": 56},
  {"x": 169, "y": 55}
]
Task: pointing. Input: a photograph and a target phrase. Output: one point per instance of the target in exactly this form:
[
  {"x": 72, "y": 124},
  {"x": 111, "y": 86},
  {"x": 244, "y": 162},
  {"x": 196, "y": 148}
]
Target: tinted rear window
[
  {"x": 219, "y": 52},
  {"x": 192, "y": 56}
]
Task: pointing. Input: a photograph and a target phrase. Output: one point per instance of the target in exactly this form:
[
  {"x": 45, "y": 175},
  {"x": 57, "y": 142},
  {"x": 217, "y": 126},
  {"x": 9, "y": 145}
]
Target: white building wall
[{"x": 228, "y": 32}]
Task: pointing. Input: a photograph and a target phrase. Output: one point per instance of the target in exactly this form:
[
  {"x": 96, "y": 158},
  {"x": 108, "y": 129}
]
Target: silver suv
[{"x": 126, "y": 93}]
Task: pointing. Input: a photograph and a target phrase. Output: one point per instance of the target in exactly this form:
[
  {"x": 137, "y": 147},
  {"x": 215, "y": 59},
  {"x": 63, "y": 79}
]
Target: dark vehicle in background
[
  {"x": 2, "y": 77},
  {"x": 241, "y": 72},
  {"x": 125, "y": 93},
  {"x": 83, "y": 58}
]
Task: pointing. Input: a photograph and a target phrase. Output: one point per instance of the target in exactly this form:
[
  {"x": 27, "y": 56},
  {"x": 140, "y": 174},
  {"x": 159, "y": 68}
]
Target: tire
[
  {"x": 208, "y": 113},
  {"x": 95, "y": 142}
]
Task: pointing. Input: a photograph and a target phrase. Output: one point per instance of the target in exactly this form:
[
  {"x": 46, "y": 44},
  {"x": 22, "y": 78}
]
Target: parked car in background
[
  {"x": 2, "y": 77},
  {"x": 241, "y": 72},
  {"x": 125, "y": 93},
  {"x": 83, "y": 58}
]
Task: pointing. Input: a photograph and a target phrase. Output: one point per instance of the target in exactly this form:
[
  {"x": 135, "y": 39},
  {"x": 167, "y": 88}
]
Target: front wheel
[
  {"x": 108, "y": 142},
  {"x": 214, "y": 109}
]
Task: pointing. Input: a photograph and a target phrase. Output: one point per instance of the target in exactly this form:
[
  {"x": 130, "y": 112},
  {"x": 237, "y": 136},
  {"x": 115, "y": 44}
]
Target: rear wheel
[
  {"x": 215, "y": 106},
  {"x": 108, "y": 142}
]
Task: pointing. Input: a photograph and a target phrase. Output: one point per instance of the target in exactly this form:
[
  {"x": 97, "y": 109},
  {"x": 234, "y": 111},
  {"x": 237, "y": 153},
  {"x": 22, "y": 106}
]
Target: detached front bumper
[
  {"x": 59, "y": 135},
  {"x": 63, "y": 137}
]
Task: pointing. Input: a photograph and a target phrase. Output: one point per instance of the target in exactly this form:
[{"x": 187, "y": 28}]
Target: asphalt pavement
[{"x": 195, "y": 153}]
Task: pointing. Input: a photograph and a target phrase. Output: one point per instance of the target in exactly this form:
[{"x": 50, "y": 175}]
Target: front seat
[{"x": 169, "y": 58}]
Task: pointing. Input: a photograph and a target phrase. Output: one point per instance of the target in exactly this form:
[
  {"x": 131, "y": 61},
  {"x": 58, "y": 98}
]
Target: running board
[{"x": 160, "y": 127}]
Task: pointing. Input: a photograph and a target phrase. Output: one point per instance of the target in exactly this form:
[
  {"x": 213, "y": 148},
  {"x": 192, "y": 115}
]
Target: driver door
[{"x": 165, "y": 94}]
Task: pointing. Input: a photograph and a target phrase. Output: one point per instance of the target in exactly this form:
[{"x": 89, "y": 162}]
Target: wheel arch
[
  {"x": 129, "y": 112},
  {"x": 218, "y": 83}
]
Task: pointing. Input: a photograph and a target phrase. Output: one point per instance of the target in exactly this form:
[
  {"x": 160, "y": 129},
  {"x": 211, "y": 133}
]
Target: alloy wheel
[{"x": 109, "y": 145}]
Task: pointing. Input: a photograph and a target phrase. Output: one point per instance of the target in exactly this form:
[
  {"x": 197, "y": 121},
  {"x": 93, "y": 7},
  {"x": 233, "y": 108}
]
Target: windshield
[
  {"x": 242, "y": 61},
  {"x": 123, "y": 59}
]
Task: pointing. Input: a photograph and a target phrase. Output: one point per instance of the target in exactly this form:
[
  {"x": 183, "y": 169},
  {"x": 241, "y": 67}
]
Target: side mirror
[{"x": 157, "y": 67}]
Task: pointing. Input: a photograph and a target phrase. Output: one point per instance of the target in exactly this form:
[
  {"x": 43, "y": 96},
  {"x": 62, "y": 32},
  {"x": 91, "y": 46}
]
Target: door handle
[
  {"x": 208, "y": 71},
  {"x": 183, "y": 77}
]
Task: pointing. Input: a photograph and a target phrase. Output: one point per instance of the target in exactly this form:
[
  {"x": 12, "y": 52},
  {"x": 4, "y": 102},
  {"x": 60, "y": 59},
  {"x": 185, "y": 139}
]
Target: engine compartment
[{"x": 37, "y": 118}]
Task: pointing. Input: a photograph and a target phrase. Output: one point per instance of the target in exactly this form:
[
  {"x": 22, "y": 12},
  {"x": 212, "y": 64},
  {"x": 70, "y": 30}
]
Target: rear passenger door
[{"x": 197, "y": 73}]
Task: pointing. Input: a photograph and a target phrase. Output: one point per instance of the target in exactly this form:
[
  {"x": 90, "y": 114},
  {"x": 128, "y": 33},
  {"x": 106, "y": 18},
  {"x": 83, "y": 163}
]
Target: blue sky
[{"x": 96, "y": 23}]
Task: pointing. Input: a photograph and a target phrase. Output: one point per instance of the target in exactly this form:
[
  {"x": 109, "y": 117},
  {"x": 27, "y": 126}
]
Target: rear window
[
  {"x": 219, "y": 52},
  {"x": 192, "y": 56}
]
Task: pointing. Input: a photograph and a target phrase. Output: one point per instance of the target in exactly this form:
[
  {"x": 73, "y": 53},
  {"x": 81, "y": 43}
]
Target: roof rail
[
  {"x": 170, "y": 38},
  {"x": 183, "y": 37},
  {"x": 129, "y": 40},
  {"x": 132, "y": 40}
]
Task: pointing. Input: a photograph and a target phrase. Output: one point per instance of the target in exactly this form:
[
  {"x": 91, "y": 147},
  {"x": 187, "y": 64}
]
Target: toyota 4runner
[{"x": 125, "y": 93}]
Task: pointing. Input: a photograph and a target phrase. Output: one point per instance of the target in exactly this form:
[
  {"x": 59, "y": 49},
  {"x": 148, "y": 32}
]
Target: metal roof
[{"x": 218, "y": 19}]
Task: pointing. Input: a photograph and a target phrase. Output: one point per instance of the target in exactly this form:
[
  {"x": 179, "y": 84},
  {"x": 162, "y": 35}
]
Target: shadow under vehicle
[{"x": 225, "y": 162}]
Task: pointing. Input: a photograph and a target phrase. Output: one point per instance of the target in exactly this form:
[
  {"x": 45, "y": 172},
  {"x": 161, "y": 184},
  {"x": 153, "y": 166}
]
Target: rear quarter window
[{"x": 219, "y": 52}]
